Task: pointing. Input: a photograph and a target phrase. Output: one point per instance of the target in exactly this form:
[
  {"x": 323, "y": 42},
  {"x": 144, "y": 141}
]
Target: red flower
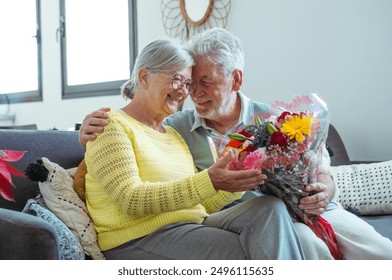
[
  {"x": 238, "y": 143},
  {"x": 250, "y": 148},
  {"x": 235, "y": 144},
  {"x": 282, "y": 116},
  {"x": 6, "y": 170},
  {"x": 245, "y": 133},
  {"x": 279, "y": 138}
]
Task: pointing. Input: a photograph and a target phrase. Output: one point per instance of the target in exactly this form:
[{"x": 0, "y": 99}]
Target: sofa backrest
[
  {"x": 336, "y": 148},
  {"x": 61, "y": 147}
]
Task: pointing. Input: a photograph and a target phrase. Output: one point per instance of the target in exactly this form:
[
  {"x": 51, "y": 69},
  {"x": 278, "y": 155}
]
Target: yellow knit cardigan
[{"x": 139, "y": 180}]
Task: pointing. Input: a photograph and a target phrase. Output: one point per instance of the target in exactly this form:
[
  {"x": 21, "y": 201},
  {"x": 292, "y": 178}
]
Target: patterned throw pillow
[
  {"x": 62, "y": 200},
  {"x": 69, "y": 247},
  {"x": 365, "y": 189}
]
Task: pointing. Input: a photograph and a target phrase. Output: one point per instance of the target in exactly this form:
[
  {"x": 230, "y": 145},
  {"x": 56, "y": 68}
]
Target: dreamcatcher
[{"x": 178, "y": 23}]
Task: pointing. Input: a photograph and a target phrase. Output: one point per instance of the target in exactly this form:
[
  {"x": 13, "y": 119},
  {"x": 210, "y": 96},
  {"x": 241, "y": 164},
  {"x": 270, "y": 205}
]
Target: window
[
  {"x": 98, "y": 46},
  {"x": 20, "y": 51}
]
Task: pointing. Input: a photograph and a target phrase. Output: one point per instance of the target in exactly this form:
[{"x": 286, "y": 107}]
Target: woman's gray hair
[
  {"x": 221, "y": 47},
  {"x": 162, "y": 55}
]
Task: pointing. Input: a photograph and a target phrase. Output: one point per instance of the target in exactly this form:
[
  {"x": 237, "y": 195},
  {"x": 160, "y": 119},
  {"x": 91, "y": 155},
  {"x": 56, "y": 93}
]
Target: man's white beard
[{"x": 215, "y": 113}]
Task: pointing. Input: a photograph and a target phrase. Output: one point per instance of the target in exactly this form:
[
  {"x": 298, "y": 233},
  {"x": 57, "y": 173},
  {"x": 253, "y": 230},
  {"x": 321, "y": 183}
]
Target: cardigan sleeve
[
  {"x": 217, "y": 202},
  {"x": 112, "y": 161}
]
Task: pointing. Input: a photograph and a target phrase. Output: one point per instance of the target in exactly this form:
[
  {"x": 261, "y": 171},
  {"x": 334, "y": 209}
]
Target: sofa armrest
[
  {"x": 335, "y": 146},
  {"x": 26, "y": 237}
]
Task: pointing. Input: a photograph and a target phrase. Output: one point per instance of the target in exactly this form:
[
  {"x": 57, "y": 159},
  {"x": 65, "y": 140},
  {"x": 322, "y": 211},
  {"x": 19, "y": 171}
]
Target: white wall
[{"x": 339, "y": 48}]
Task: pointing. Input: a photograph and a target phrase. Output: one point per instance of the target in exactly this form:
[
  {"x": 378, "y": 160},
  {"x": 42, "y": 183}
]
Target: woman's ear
[
  {"x": 143, "y": 78},
  {"x": 237, "y": 80}
]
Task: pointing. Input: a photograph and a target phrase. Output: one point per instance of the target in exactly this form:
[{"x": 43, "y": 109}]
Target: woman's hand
[{"x": 234, "y": 181}]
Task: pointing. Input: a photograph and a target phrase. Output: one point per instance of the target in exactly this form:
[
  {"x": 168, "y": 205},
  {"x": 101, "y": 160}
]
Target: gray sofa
[{"x": 23, "y": 236}]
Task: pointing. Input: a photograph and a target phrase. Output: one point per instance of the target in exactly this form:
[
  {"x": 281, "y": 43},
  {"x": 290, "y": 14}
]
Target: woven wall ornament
[{"x": 178, "y": 23}]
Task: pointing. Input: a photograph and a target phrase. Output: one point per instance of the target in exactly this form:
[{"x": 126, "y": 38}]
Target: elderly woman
[{"x": 147, "y": 199}]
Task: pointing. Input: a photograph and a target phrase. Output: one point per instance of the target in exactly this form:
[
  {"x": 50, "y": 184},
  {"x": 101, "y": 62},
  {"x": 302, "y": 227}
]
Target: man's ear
[
  {"x": 143, "y": 78},
  {"x": 237, "y": 80}
]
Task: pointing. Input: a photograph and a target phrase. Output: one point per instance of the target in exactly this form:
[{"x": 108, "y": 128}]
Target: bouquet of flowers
[{"x": 288, "y": 147}]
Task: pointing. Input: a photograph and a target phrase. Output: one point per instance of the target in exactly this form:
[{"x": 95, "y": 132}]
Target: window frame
[
  {"x": 32, "y": 95},
  {"x": 96, "y": 89}
]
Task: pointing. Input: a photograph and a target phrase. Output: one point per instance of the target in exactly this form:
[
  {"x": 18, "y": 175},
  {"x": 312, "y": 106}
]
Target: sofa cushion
[
  {"x": 381, "y": 223},
  {"x": 26, "y": 237},
  {"x": 365, "y": 189}
]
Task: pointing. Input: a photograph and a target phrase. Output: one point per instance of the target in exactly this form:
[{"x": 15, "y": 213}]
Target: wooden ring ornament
[
  {"x": 198, "y": 22},
  {"x": 178, "y": 23}
]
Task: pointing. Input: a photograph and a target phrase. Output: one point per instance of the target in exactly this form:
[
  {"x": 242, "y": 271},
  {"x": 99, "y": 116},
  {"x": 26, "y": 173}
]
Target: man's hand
[
  {"x": 316, "y": 203},
  {"x": 234, "y": 181},
  {"x": 324, "y": 189},
  {"x": 92, "y": 124}
]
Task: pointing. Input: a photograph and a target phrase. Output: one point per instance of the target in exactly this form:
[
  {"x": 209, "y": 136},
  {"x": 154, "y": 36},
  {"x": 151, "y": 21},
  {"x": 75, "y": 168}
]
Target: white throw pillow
[
  {"x": 365, "y": 189},
  {"x": 60, "y": 197}
]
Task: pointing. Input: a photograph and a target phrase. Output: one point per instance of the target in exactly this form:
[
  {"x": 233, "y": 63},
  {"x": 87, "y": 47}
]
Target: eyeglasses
[{"x": 179, "y": 81}]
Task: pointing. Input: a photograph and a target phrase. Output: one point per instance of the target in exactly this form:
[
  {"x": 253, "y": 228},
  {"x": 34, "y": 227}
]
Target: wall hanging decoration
[{"x": 183, "y": 18}]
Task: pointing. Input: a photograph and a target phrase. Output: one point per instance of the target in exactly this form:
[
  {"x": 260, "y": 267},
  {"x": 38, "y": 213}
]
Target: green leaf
[
  {"x": 248, "y": 126},
  {"x": 257, "y": 121},
  {"x": 271, "y": 128},
  {"x": 237, "y": 136}
]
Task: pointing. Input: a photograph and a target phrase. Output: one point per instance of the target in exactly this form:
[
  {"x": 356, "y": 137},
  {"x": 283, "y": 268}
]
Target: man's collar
[
  {"x": 199, "y": 122},
  {"x": 247, "y": 111}
]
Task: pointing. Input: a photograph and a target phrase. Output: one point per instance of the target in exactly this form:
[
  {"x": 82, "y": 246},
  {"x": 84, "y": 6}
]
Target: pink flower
[
  {"x": 269, "y": 163},
  {"x": 235, "y": 163},
  {"x": 254, "y": 160}
]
